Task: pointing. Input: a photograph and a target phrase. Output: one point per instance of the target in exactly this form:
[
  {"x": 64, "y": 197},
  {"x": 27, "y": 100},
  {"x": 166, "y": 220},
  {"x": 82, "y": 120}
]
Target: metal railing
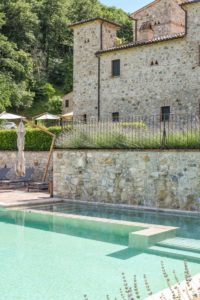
[{"x": 174, "y": 131}]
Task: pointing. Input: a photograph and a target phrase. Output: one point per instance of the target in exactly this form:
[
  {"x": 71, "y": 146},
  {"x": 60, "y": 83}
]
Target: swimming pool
[
  {"x": 188, "y": 223},
  {"x": 40, "y": 261}
]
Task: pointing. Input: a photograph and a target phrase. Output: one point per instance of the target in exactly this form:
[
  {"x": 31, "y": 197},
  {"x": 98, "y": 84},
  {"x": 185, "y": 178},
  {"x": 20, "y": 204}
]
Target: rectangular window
[
  {"x": 115, "y": 117},
  {"x": 66, "y": 103},
  {"x": 116, "y": 67},
  {"x": 85, "y": 118},
  {"x": 165, "y": 113}
]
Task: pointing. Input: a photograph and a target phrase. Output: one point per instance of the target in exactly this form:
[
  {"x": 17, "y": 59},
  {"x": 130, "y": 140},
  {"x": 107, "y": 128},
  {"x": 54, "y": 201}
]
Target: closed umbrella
[{"x": 20, "y": 164}]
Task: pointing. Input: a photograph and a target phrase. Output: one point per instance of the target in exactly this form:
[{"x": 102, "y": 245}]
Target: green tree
[
  {"x": 15, "y": 74},
  {"x": 83, "y": 9},
  {"x": 36, "y": 47},
  {"x": 21, "y": 23},
  {"x": 54, "y": 32},
  {"x": 54, "y": 105}
]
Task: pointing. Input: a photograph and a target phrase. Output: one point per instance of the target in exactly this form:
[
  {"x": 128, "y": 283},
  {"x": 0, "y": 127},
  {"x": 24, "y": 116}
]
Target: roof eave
[
  {"x": 189, "y": 2},
  {"x": 135, "y": 45},
  {"x": 143, "y": 8},
  {"x": 93, "y": 20}
]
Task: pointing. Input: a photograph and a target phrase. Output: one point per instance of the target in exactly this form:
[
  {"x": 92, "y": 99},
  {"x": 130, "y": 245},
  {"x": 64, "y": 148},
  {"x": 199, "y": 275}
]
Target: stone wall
[
  {"x": 166, "y": 18},
  {"x": 154, "y": 179},
  {"x": 37, "y": 160},
  {"x": 152, "y": 75},
  {"x": 87, "y": 41},
  {"x": 143, "y": 88},
  {"x": 68, "y": 97}
]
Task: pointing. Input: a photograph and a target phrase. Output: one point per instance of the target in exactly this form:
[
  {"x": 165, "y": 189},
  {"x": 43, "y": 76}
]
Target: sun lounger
[
  {"x": 20, "y": 179},
  {"x": 37, "y": 186},
  {"x": 3, "y": 173}
]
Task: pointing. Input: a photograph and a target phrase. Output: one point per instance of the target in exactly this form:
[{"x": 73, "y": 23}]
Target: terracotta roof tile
[
  {"x": 140, "y": 43},
  {"x": 190, "y": 2}
]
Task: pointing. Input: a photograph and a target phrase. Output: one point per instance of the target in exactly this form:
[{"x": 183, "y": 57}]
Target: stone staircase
[{"x": 182, "y": 248}]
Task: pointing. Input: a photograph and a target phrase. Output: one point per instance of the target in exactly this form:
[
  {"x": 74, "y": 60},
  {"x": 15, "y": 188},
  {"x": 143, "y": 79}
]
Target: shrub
[
  {"x": 94, "y": 139},
  {"x": 8, "y": 140},
  {"x": 35, "y": 139},
  {"x": 139, "y": 124},
  {"x": 126, "y": 135}
]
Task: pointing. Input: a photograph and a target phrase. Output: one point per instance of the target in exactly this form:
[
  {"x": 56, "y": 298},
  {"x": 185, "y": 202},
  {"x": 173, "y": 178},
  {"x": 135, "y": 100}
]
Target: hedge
[{"x": 35, "y": 139}]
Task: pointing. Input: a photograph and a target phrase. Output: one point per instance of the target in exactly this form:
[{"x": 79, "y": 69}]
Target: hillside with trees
[{"x": 36, "y": 50}]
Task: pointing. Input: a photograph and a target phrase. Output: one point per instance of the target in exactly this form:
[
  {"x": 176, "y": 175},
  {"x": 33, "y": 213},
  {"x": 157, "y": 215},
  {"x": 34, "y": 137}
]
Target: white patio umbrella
[
  {"x": 8, "y": 116},
  {"x": 20, "y": 163},
  {"x": 47, "y": 116},
  {"x": 68, "y": 115}
]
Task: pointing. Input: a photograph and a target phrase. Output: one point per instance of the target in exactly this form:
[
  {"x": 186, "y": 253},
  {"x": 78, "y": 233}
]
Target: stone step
[
  {"x": 175, "y": 253},
  {"x": 181, "y": 243}
]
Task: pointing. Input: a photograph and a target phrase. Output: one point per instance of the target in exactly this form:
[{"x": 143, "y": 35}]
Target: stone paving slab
[{"x": 10, "y": 197}]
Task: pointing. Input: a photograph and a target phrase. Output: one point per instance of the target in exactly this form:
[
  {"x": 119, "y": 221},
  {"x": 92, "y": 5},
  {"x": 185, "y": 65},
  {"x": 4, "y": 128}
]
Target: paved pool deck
[{"x": 20, "y": 197}]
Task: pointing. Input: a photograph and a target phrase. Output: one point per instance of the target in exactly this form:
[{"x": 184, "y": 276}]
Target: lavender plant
[{"x": 180, "y": 291}]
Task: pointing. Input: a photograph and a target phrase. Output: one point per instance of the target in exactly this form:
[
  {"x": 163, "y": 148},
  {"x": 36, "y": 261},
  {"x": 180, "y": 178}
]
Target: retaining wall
[
  {"x": 156, "y": 179},
  {"x": 38, "y": 160}
]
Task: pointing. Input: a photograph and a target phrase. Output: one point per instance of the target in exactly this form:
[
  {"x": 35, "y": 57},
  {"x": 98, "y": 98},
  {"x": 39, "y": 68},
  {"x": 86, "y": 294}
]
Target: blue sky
[{"x": 127, "y": 5}]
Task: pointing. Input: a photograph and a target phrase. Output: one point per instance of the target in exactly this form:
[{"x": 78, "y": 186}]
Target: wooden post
[
  {"x": 52, "y": 145},
  {"x": 49, "y": 158}
]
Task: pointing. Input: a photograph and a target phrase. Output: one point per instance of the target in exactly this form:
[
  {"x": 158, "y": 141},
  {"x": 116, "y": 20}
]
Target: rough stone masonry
[
  {"x": 148, "y": 178},
  {"x": 161, "y": 67}
]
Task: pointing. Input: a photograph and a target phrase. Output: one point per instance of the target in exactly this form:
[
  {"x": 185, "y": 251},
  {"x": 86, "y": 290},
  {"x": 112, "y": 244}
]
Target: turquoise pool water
[
  {"x": 189, "y": 224},
  {"x": 39, "y": 264}
]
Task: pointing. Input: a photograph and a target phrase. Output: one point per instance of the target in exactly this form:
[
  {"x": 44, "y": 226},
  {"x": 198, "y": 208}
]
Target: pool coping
[
  {"x": 30, "y": 203},
  {"x": 132, "y": 207},
  {"x": 104, "y": 220},
  {"x": 105, "y": 204},
  {"x": 141, "y": 235}
]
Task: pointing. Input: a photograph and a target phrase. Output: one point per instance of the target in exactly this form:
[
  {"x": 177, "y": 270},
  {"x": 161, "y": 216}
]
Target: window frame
[
  {"x": 165, "y": 116},
  {"x": 66, "y": 103},
  {"x": 118, "y": 67},
  {"x": 115, "y": 117},
  {"x": 85, "y": 118}
]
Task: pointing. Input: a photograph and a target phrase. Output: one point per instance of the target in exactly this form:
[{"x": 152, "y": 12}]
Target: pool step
[
  {"x": 182, "y": 244},
  {"x": 175, "y": 253}
]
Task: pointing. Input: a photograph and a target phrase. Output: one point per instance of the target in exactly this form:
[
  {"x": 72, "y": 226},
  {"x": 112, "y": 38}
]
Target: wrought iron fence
[{"x": 174, "y": 131}]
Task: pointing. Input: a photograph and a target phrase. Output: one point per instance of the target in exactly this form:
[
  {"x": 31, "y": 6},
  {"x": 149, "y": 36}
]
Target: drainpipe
[
  {"x": 186, "y": 19},
  {"x": 99, "y": 88},
  {"x": 99, "y": 73}
]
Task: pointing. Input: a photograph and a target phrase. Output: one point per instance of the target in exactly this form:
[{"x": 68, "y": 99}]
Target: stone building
[
  {"x": 67, "y": 103},
  {"x": 157, "y": 19},
  {"x": 159, "y": 72}
]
